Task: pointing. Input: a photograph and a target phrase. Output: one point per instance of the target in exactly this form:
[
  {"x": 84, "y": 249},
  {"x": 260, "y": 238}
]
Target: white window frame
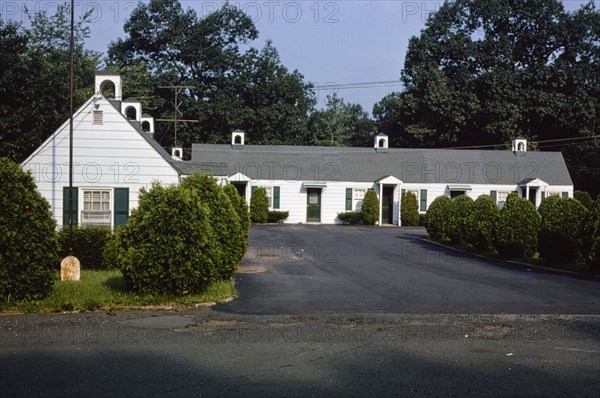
[
  {"x": 501, "y": 197},
  {"x": 553, "y": 193},
  {"x": 269, "y": 192},
  {"x": 417, "y": 193},
  {"x": 358, "y": 196},
  {"x": 103, "y": 211}
]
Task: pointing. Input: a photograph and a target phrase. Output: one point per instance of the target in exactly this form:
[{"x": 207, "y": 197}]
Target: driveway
[{"x": 312, "y": 269}]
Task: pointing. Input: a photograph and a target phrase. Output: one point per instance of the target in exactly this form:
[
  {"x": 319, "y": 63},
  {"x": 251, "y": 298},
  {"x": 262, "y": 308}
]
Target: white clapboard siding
[{"x": 107, "y": 156}]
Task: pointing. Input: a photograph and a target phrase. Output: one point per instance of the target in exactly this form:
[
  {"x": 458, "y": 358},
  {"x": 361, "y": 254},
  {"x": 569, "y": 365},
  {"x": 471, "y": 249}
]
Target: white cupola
[
  {"x": 238, "y": 137},
  {"x": 104, "y": 80},
  {"x": 177, "y": 153},
  {"x": 519, "y": 144},
  {"x": 381, "y": 141},
  {"x": 147, "y": 123},
  {"x": 132, "y": 109}
]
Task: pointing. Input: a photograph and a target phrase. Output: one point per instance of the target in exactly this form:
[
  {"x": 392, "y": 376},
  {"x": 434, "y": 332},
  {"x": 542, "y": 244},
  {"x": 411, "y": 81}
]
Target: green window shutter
[
  {"x": 494, "y": 195},
  {"x": 565, "y": 194},
  {"x": 348, "y": 199},
  {"x": 403, "y": 191},
  {"x": 121, "y": 206},
  {"x": 423, "y": 200},
  {"x": 66, "y": 206},
  {"x": 252, "y": 191},
  {"x": 276, "y": 195},
  {"x": 543, "y": 195}
]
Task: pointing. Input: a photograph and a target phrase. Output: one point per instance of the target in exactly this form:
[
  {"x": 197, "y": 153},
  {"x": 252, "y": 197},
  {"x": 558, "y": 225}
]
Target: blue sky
[{"x": 331, "y": 43}]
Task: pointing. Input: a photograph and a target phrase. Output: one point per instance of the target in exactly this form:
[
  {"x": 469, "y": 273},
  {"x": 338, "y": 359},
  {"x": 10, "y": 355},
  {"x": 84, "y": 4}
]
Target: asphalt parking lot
[{"x": 312, "y": 269}]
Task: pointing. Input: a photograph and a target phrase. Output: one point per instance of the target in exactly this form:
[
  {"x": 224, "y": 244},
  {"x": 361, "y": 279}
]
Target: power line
[
  {"x": 589, "y": 138},
  {"x": 345, "y": 86}
]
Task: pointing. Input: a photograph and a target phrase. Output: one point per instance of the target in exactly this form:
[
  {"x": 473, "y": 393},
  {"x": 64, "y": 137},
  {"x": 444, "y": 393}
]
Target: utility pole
[{"x": 176, "y": 92}]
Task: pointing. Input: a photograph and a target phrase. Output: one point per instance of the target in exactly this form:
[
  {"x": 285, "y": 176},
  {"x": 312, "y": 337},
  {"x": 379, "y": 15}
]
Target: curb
[{"x": 527, "y": 265}]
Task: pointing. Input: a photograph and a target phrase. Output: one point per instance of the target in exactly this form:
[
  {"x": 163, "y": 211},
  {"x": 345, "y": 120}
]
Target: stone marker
[{"x": 69, "y": 269}]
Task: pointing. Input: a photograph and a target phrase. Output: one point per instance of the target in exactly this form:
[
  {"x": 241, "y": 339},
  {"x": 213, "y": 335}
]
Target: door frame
[{"x": 388, "y": 191}]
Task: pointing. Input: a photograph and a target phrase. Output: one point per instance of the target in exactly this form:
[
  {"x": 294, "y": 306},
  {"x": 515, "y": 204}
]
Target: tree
[
  {"x": 458, "y": 216},
  {"x": 516, "y": 230},
  {"x": 438, "y": 217},
  {"x": 591, "y": 236},
  {"x": 480, "y": 223},
  {"x": 409, "y": 210},
  {"x": 241, "y": 208},
  {"x": 233, "y": 85},
  {"x": 259, "y": 206},
  {"x": 370, "y": 208},
  {"x": 559, "y": 236},
  {"x": 339, "y": 124},
  {"x": 34, "y": 66},
  {"x": 168, "y": 246},
  {"x": 30, "y": 250},
  {"x": 484, "y": 72},
  {"x": 224, "y": 220},
  {"x": 584, "y": 198}
]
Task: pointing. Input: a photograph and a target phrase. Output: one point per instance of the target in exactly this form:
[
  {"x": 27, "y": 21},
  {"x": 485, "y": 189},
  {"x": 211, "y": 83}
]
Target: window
[
  {"x": 97, "y": 118},
  {"x": 553, "y": 193},
  {"x": 269, "y": 192},
  {"x": 456, "y": 194},
  {"x": 359, "y": 195},
  {"x": 96, "y": 207},
  {"x": 414, "y": 192},
  {"x": 501, "y": 198}
]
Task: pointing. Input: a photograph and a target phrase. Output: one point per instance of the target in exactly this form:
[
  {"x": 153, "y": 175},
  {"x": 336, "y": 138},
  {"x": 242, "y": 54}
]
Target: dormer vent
[
  {"x": 132, "y": 109},
  {"x": 238, "y": 137},
  {"x": 519, "y": 144},
  {"x": 381, "y": 141},
  {"x": 147, "y": 123}
]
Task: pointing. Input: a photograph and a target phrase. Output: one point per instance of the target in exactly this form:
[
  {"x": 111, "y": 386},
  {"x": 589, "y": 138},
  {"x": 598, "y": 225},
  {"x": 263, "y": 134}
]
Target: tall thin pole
[{"x": 72, "y": 89}]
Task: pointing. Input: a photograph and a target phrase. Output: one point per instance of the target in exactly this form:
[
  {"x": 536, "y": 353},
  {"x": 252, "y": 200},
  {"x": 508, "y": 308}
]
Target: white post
[
  {"x": 380, "y": 202},
  {"x": 399, "y": 204}
]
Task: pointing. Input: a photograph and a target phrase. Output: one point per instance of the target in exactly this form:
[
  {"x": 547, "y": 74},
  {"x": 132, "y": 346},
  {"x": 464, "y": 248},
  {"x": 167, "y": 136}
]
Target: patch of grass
[{"x": 106, "y": 290}]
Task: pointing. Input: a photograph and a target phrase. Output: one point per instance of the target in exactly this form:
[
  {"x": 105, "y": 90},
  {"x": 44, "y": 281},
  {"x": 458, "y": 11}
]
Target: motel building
[{"x": 115, "y": 155}]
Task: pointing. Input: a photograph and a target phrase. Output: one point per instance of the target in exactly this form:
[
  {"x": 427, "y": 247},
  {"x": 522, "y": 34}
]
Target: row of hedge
[{"x": 561, "y": 230}]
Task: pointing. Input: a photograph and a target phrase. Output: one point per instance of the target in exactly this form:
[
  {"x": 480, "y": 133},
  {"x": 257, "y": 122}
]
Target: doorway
[
  {"x": 387, "y": 205},
  {"x": 313, "y": 204}
]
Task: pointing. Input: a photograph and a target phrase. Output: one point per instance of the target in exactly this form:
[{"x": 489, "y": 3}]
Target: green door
[
  {"x": 313, "y": 205},
  {"x": 387, "y": 205}
]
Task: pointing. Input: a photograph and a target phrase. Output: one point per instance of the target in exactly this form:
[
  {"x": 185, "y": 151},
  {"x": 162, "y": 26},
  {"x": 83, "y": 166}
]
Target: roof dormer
[
  {"x": 147, "y": 123},
  {"x": 132, "y": 109}
]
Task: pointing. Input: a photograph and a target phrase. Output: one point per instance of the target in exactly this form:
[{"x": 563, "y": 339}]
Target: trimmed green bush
[
  {"x": 591, "y": 236},
  {"x": 277, "y": 216},
  {"x": 168, "y": 246},
  {"x": 559, "y": 236},
  {"x": 423, "y": 220},
  {"x": 259, "y": 206},
  {"x": 438, "y": 217},
  {"x": 409, "y": 210},
  {"x": 516, "y": 231},
  {"x": 351, "y": 218},
  {"x": 110, "y": 253},
  {"x": 459, "y": 212},
  {"x": 29, "y": 250},
  {"x": 584, "y": 198},
  {"x": 241, "y": 208},
  {"x": 88, "y": 245},
  {"x": 224, "y": 220},
  {"x": 480, "y": 222},
  {"x": 370, "y": 208}
]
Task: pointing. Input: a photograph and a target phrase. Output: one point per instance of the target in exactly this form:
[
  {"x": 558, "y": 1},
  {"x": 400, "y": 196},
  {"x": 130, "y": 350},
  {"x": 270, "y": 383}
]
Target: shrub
[
  {"x": 409, "y": 210},
  {"x": 241, "y": 208},
  {"x": 370, "y": 208},
  {"x": 277, "y": 216},
  {"x": 584, "y": 198},
  {"x": 437, "y": 217},
  {"x": 459, "y": 212},
  {"x": 29, "y": 249},
  {"x": 591, "y": 236},
  {"x": 259, "y": 206},
  {"x": 168, "y": 246},
  {"x": 559, "y": 236},
  {"x": 351, "y": 218},
  {"x": 423, "y": 220},
  {"x": 88, "y": 245},
  {"x": 481, "y": 221},
  {"x": 110, "y": 254},
  {"x": 515, "y": 233},
  {"x": 224, "y": 221}
]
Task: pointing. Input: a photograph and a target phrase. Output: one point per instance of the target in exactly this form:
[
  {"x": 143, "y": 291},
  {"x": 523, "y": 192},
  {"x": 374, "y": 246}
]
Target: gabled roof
[{"x": 411, "y": 165}]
